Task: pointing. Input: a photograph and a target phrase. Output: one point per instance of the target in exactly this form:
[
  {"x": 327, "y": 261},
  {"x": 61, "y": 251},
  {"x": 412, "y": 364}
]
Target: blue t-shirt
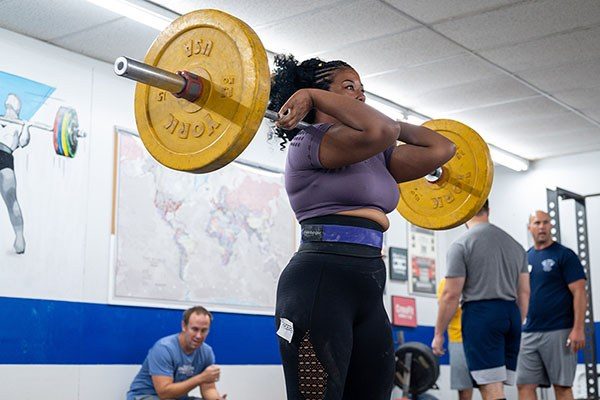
[
  {"x": 551, "y": 301},
  {"x": 167, "y": 358}
]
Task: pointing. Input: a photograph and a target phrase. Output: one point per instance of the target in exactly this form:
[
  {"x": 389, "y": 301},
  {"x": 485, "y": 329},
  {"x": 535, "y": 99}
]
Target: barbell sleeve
[
  {"x": 144, "y": 73},
  {"x": 177, "y": 84}
]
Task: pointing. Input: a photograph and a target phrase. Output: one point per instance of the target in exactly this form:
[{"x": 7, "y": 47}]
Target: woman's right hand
[{"x": 295, "y": 109}]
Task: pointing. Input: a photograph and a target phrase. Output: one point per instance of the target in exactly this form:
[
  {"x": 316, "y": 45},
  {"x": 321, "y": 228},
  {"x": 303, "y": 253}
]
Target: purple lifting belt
[{"x": 342, "y": 234}]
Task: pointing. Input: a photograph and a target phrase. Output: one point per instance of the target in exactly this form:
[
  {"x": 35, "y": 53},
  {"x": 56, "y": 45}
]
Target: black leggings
[{"x": 342, "y": 346}]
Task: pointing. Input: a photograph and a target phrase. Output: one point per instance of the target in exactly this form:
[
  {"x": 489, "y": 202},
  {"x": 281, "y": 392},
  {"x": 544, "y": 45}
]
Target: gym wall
[{"x": 59, "y": 335}]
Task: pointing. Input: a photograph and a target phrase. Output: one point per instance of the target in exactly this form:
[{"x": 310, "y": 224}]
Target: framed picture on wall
[
  {"x": 404, "y": 311},
  {"x": 162, "y": 247},
  {"x": 398, "y": 264},
  {"x": 421, "y": 257}
]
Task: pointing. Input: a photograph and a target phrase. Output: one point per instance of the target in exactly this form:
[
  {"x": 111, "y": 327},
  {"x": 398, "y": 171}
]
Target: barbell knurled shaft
[{"x": 274, "y": 116}]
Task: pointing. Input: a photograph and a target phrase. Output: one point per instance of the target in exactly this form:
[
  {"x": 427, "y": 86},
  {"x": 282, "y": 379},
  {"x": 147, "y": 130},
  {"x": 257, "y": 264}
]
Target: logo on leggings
[
  {"x": 547, "y": 264},
  {"x": 312, "y": 233},
  {"x": 286, "y": 329}
]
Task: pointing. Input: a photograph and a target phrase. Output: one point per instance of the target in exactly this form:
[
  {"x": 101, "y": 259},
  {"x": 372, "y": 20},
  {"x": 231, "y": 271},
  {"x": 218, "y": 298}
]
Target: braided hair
[{"x": 290, "y": 76}]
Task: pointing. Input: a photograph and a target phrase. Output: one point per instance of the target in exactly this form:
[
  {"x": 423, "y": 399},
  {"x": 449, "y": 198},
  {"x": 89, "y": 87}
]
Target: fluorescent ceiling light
[
  {"x": 395, "y": 112},
  {"x": 390, "y": 111},
  {"x": 508, "y": 160},
  {"x": 137, "y": 11}
]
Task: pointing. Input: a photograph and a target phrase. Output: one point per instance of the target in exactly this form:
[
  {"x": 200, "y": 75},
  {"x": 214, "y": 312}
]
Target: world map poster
[{"x": 219, "y": 239}]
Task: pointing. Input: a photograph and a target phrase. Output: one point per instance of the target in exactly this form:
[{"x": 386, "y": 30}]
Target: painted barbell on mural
[{"x": 65, "y": 130}]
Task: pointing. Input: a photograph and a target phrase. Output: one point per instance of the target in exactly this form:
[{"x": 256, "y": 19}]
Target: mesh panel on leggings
[{"x": 311, "y": 374}]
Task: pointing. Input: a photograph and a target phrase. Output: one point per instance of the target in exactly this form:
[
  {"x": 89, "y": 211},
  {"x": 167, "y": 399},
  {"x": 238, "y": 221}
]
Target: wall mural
[{"x": 20, "y": 100}]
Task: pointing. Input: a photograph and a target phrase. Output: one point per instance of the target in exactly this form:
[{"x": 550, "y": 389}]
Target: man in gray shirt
[{"x": 489, "y": 269}]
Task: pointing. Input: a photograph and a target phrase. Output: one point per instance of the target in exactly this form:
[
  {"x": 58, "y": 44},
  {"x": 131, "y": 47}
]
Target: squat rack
[{"x": 589, "y": 351}]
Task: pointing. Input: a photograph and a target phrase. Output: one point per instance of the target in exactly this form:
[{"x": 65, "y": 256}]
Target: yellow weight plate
[
  {"x": 212, "y": 131},
  {"x": 461, "y": 190}
]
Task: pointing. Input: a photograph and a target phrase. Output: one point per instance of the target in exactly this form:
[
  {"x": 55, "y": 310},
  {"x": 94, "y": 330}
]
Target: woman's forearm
[
  {"x": 353, "y": 113},
  {"x": 420, "y": 136}
]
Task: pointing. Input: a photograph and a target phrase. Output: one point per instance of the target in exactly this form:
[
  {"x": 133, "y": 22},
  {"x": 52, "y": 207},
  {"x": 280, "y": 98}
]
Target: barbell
[
  {"x": 65, "y": 130},
  {"x": 202, "y": 116}
]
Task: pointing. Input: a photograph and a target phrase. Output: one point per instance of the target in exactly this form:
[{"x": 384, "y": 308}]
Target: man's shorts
[
  {"x": 546, "y": 360},
  {"x": 491, "y": 332},
  {"x": 6, "y": 160},
  {"x": 460, "y": 378}
]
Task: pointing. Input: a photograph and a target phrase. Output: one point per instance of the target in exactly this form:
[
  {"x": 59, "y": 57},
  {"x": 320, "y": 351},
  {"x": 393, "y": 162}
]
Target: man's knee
[
  {"x": 563, "y": 392},
  {"x": 465, "y": 394},
  {"x": 527, "y": 388},
  {"x": 492, "y": 391}
]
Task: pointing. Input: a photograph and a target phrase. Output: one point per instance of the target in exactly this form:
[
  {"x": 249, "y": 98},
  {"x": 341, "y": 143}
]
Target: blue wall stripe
[{"x": 62, "y": 332}]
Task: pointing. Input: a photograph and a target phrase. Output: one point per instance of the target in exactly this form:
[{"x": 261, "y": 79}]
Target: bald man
[{"x": 554, "y": 329}]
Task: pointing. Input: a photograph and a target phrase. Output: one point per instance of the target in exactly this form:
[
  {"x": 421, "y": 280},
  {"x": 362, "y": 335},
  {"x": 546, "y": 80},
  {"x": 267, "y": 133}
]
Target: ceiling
[{"x": 525, "y": 74}]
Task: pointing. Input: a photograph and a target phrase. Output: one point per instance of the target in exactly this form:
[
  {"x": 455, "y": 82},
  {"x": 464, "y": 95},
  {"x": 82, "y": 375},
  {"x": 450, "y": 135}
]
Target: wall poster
[{"x": 421, "y": 256}]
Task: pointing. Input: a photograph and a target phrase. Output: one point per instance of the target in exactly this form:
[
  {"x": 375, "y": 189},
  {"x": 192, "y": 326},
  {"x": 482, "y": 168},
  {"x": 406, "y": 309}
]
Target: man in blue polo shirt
[
  {"x": 178, "y": 363},
  {"x": 554, "y": 330}
]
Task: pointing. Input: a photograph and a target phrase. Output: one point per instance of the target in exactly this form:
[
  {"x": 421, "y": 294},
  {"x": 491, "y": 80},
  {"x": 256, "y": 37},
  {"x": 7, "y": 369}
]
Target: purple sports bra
[{"x": 315, "y": 191}]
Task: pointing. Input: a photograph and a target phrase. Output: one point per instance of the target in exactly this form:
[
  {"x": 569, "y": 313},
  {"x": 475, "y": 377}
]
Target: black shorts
[
  {"x": 6, "y": 160},
  {"x": 339, "y": 341}
]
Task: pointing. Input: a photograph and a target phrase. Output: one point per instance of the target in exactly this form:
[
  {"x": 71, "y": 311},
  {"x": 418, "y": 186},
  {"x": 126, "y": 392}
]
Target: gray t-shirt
[{"x": 490, "y": 260}]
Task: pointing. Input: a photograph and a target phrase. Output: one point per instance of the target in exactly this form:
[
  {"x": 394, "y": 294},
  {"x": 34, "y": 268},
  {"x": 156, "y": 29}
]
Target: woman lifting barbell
[{"x": 341, "y": 177}]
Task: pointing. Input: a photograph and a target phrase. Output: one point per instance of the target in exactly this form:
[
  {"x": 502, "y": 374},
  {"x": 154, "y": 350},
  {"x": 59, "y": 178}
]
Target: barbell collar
[{"x": 193, "y": 86}]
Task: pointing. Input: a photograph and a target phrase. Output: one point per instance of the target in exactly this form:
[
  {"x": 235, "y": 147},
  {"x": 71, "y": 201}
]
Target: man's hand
[
  {"x": 438, "y": 345},
  {"x": 576, "y": 340},
  {"x": 210, "y": 375}
]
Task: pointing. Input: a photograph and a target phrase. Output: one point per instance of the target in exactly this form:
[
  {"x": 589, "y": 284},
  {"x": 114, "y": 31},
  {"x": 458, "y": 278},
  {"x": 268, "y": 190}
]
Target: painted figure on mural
[{"x": 12, "y": 136}]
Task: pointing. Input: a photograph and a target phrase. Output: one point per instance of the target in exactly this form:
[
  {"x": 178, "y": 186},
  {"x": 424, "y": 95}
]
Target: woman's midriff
[{"x": 369, "y": 213}]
